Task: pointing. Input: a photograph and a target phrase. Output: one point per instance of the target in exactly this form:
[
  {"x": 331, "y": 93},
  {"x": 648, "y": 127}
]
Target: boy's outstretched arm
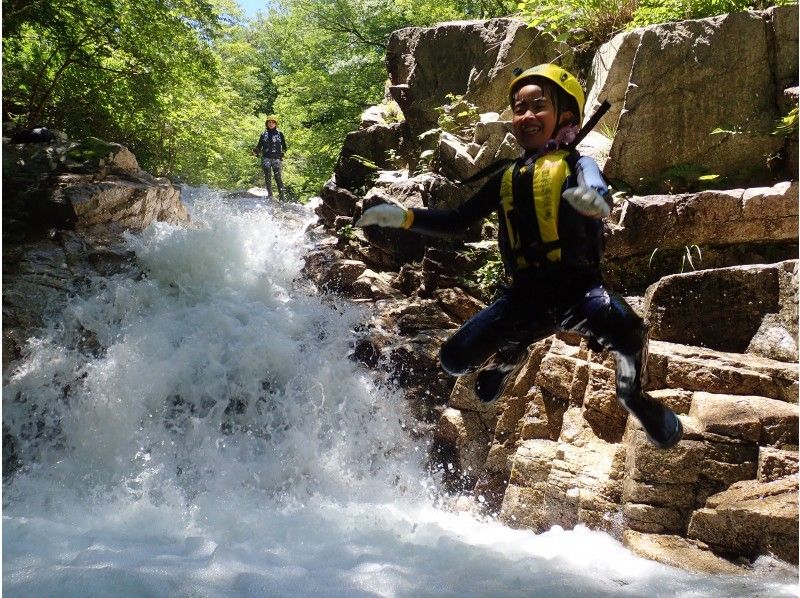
[
  {"x": 436, "y": 222},
  {"x": 589, "y": 196},
  {"x": 388, "y": 215}
]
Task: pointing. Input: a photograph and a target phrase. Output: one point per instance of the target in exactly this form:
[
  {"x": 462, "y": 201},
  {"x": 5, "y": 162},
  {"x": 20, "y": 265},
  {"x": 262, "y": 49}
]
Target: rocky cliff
[{"x": 703, "y": 241}]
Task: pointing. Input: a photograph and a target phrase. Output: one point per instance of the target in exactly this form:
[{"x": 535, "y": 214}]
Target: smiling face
[
  {"x": 271, "y": 124},
  {"x": 534, "y": 121}
]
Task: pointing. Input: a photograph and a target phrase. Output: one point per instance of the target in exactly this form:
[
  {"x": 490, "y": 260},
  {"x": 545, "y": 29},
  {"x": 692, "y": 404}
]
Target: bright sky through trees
[{"x": 250, "y": 7}]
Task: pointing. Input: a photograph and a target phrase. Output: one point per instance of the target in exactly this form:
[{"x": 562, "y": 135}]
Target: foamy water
[{"x": 222, "y": 443}]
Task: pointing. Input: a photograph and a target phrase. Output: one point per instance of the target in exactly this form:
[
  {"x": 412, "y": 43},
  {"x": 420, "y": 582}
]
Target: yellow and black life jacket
[{"x": 526, "y": 249}]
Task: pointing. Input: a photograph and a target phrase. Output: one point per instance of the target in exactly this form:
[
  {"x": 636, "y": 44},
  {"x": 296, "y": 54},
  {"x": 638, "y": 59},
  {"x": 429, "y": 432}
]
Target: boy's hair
[{"x": 562, "y": 101}]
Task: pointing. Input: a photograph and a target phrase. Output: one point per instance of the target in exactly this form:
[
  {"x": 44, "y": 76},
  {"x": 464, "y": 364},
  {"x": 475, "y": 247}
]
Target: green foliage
[
  {"x": 490, "y": 275},
  {"x": 185, "y": 84},
  {"x": 392, "y": 112},
  {"x": 589, "y": 21},
  {"x": 328, "y": 65},
  {"x": 787, "y": 125},
  {"x": 687, "y": 177},
  {"x": 172, "y": 81},
  {"x": 458, "y": 116},
  {"x": 651, "y": 12},
  {"x": 607, "y": 131},
  {"x": 347, "y": 231}
]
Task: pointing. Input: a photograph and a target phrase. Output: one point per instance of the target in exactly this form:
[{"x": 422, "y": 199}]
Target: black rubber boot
[
  {"x": 495, "y": 374},
  {"x": 662, "y": 426}
]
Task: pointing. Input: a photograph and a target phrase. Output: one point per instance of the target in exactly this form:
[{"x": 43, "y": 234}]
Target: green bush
[
  {"x": 651, "y": 12},
  {"x": 593, "y": 22},
  {"x": 458, "y": 116},
  {"x": 590, "y": 21}
]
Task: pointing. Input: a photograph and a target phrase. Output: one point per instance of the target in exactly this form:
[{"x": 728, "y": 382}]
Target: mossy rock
[
  {"x": 91, "y": 154},
  {"x": 92, "y": 148}
]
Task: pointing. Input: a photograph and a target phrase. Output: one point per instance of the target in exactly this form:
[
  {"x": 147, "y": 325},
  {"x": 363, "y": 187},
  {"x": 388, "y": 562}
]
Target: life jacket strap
[{"x": 535, "y": 254}]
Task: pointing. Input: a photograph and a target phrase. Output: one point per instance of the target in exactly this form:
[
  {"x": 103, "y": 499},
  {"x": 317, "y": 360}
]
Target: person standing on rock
[
  {"x": 272, "y": 147},
  {"x": 550, "y": 205}
]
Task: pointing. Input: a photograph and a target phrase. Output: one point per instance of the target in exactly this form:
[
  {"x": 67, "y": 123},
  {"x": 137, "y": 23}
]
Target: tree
[
  {"x": 185, "y": 84},
  {"x": 328, "y": 60}
]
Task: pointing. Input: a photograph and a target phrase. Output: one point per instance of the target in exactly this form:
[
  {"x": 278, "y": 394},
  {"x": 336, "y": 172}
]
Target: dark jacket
[
  {"x": 271, "y": 144},
  {"x": 581, "y": 237}
]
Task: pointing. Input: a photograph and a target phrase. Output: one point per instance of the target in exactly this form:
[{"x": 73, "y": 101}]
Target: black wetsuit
[{"x": 547, "y": 296}]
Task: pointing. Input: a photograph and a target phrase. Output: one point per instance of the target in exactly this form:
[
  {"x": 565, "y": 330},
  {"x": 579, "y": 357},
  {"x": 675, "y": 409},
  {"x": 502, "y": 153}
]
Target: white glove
[
  {"x": 587, "y": 201},
  {"x": 384, "y": 214}
]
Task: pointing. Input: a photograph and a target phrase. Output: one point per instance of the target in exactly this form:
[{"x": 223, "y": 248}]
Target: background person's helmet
[
  {"x": 272, "y": 118},
  {"x": 557, "y": 75}
]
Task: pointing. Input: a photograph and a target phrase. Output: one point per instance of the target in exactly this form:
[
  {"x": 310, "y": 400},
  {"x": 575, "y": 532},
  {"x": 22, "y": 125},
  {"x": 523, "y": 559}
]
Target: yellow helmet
[
  {"x": 557, "y": 75},
  {"x": 272, "y": 118}
]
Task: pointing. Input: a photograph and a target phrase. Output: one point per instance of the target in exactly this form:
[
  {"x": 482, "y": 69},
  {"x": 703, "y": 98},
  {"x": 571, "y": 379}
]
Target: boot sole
[{"x": 674, "y": 439}]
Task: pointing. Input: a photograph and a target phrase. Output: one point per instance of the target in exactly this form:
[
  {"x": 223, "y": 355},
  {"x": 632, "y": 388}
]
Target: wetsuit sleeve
[
  {"x": 283, "y": 143},
  {"x": 260, "y": 143},
  {"x": 588, "y": 174},
  {"x": 449, "y": 223},
  {"x": 592, "y": 177}
]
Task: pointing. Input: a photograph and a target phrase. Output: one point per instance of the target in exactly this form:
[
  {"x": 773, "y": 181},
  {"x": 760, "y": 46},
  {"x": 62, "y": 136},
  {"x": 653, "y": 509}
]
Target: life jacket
[
  {"x": 545, "y": 232},
  {"x": 271, "y": 145}
]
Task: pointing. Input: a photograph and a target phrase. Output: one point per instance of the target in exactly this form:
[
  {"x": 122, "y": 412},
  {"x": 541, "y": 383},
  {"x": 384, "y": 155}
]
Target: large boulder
[
  {"x": 782, "y": 31},
  {"x": 768, "y": 422},
  {"x": 336, "y": 201},
  {"x": 725, "y": 309},
  {"x": 65, "y": 205},
  {"x": 682, "y": 77},
  {"x": 563, "y": 451},
  {"x": 125, "y": 202},
  {"x": 365, "y": 152},
  {"x": 736, "y": 217},
  {"x": 479, "y": 55},
  {"x": 609, "y": 76},
  {"x": 751, "y": 518},
  {"x": 83, "y": 185},
  {"x": 99, "y": 157}
]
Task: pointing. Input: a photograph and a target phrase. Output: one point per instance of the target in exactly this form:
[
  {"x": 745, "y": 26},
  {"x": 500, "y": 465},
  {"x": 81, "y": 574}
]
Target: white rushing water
[{"x": 225, "y": 445}]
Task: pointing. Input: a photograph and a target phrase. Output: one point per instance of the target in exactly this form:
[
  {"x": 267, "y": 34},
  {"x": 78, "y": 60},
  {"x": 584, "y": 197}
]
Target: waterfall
[{"x": 201, "y": 431}]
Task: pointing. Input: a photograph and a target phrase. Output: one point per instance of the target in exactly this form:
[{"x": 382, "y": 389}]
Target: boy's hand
[
  {"x": 384, "y": 214},
  {"x": 587, "y": 201}
]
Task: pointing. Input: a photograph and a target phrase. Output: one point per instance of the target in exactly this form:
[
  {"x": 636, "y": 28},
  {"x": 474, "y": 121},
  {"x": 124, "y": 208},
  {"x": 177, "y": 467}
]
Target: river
[{"x": 201, "y": 431}]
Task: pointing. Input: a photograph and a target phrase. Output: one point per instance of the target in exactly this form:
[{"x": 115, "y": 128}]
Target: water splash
[
  {"x": 214, "y": 372},
  {"x": 200, "y": 431}
]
